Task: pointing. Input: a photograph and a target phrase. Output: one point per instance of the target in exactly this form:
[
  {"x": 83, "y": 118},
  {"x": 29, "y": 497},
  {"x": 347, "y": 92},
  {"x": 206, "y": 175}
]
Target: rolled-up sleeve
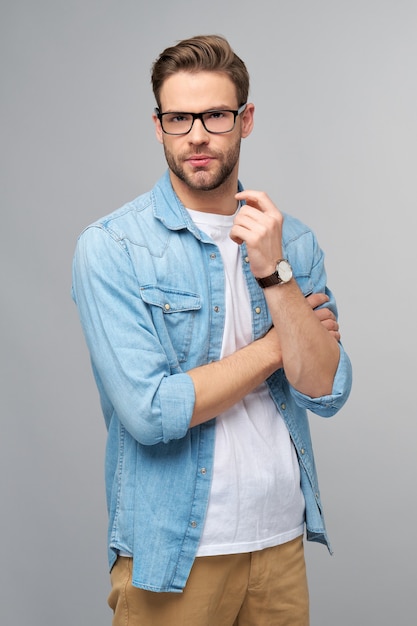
[
  {"x": 327, "y": 406},
  {"x": 310, "y": 262},
  {"x": 148, "y": 393}
]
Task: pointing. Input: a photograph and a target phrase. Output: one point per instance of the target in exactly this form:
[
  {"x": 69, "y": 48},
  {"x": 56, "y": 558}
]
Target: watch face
[{"x": 284, "y": 271}]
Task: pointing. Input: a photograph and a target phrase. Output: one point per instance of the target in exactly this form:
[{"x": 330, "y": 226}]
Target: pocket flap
[{"x": 170, "y": 300}]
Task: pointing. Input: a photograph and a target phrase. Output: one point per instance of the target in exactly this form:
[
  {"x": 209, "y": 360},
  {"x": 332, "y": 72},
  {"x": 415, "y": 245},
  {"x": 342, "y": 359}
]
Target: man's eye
[
  {"x": 216, "y": 115},
  {"x": 178, "y": 117}
]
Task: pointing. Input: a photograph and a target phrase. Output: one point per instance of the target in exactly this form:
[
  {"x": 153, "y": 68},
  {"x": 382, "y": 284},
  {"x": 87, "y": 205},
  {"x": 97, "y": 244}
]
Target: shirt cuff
[{"x": 177, "y": 399}]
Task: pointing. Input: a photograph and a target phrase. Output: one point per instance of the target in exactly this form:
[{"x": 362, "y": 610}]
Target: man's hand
[
  {"x": 326, "y": 317},
  {"x": 259, "y": 224}
]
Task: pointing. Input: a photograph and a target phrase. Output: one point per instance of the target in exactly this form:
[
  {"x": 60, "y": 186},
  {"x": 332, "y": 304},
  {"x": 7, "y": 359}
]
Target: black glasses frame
[{"x": 199, "y": 116}]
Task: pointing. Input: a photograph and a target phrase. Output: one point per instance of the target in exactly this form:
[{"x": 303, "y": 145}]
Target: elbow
[
  {"x": 150, "y": 427},
  {"x": 316, "y": 383},
  {"x": 143, "y": 430}
]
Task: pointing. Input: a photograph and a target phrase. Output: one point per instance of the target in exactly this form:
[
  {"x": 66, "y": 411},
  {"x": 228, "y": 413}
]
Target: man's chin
[{"x": 201, "y": 181}]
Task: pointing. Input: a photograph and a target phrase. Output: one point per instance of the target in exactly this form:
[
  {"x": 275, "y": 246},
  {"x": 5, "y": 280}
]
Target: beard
[{"x": 203, "y": 179}]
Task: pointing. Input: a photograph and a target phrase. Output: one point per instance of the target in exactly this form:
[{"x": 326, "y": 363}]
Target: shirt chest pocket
[{"x": 173, "y": 312}]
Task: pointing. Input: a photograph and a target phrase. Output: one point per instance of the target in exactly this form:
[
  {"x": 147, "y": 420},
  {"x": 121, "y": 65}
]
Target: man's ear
[
  {"x": 158, "y": 128},
  {"x": 247, "y": 118}
]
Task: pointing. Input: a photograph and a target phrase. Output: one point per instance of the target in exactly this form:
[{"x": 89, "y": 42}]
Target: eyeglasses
[{"x": 215, "y": 121}]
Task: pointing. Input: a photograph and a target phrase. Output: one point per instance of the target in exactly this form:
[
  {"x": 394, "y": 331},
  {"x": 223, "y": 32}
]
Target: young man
[{"x": 211, "y": 331}]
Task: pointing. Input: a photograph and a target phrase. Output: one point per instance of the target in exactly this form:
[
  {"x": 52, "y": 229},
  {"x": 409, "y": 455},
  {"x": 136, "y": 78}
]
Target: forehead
[{"x": 198, "y": 91}]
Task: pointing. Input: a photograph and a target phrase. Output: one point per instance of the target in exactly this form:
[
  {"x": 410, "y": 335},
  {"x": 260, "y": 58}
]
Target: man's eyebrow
[{"x": 220, "y": 107}]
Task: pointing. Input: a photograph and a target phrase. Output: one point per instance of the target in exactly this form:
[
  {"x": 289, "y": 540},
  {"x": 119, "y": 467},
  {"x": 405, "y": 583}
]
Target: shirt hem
[{"x": 250, "y": 546}]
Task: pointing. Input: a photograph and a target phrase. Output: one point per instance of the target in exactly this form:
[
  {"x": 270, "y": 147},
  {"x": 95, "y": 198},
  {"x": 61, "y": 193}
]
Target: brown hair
[{"x": 202, "y": 53}]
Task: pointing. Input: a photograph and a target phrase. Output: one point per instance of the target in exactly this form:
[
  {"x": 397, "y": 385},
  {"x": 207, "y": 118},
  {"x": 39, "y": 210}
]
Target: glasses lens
[
  {"x": 177, "y": 123},
  {"x": 219, "y": 121}
]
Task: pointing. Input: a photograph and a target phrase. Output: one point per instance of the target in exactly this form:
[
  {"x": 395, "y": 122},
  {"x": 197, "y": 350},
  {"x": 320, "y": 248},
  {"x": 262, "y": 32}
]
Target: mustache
[{"x": 199, "y": 152}]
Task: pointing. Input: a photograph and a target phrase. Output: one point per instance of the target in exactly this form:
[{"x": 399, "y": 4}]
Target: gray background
[{"x": 334, "y": 83}]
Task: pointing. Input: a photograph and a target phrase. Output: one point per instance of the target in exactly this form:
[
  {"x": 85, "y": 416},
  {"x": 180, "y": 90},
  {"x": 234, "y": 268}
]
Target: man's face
[{"x": 201, "y": 160}]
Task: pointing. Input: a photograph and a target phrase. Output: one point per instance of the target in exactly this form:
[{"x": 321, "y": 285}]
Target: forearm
[
  {"x": 221, "y": 384},
  {"x": 310, "y": 354}
]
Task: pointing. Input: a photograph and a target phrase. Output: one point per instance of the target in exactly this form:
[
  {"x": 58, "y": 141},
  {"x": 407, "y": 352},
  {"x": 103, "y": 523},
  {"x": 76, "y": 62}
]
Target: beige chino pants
[{"x": 264, "y": 588}]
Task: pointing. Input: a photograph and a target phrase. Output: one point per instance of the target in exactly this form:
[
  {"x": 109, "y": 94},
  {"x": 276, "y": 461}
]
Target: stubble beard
[{"x": 202, "y": 179}]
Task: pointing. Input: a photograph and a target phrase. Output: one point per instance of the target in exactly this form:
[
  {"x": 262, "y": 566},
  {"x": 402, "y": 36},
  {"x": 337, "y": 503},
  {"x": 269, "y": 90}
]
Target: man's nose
[{"x": 198, "y": 134}]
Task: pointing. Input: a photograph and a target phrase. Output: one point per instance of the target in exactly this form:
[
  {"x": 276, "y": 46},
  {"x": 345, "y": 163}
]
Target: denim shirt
[{"x": 149, "y": 287}]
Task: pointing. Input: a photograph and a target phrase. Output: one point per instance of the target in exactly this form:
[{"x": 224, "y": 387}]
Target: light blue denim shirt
[{"x": 149, "y": 287}]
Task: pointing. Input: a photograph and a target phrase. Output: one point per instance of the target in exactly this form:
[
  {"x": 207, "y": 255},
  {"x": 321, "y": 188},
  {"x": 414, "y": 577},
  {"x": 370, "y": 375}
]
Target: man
[{"x": 211, "y": 331}]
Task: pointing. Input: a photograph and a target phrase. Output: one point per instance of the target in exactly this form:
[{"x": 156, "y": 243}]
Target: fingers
[
  {"x": 327, "y": 318},
  {"x": 258, "y": 223},
  {"x": 329, "y": 322},
  {"x": 324, "y": 315},
  {"x": 258, "y": 200},
  {"x": 317, "y": 299},
  {"x": 336, "y": 334},
  {"x": 255, "y": 227},
  {"x": 258, "y": 217}
]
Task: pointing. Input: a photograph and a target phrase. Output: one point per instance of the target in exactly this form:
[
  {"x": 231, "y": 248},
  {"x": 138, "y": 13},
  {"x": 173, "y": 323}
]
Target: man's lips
[{"x": 199, "y": 160}]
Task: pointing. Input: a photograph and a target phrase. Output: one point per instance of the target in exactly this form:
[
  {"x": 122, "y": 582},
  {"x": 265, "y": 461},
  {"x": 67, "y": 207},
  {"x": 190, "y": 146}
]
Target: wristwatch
[{"x": 282, "y": 274}]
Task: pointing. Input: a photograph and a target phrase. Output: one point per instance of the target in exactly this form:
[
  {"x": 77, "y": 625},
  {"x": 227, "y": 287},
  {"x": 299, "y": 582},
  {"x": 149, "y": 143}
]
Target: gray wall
[{"x": 334, "y": 143}]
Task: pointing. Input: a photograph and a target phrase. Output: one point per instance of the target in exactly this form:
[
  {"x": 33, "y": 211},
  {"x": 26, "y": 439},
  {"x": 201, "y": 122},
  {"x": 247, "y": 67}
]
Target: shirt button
[
  {"x": 203, "y": 470},
  {"x": 166, "y": 307},
  {"x": 246, "y": 259},
  {"x": 194, "y": 524},
  {"x": 258, "y": 309},
  {"x": 213, "y": 255},
  {"x": 216, "y": 309},
  {"x": 302, "y": 451},
  {"x": 283, "y": 406}
]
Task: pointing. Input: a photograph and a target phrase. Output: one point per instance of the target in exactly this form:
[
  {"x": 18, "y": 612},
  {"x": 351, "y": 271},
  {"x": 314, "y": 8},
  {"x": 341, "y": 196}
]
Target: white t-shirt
[{"x": 255, "y": 499}]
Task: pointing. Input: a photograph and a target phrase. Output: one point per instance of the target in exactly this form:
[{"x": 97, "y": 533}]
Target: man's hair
[{"x": 202, "y": 53}]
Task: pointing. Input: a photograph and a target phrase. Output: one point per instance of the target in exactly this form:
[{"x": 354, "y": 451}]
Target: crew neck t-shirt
[{"x": 255, "y": 500}]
